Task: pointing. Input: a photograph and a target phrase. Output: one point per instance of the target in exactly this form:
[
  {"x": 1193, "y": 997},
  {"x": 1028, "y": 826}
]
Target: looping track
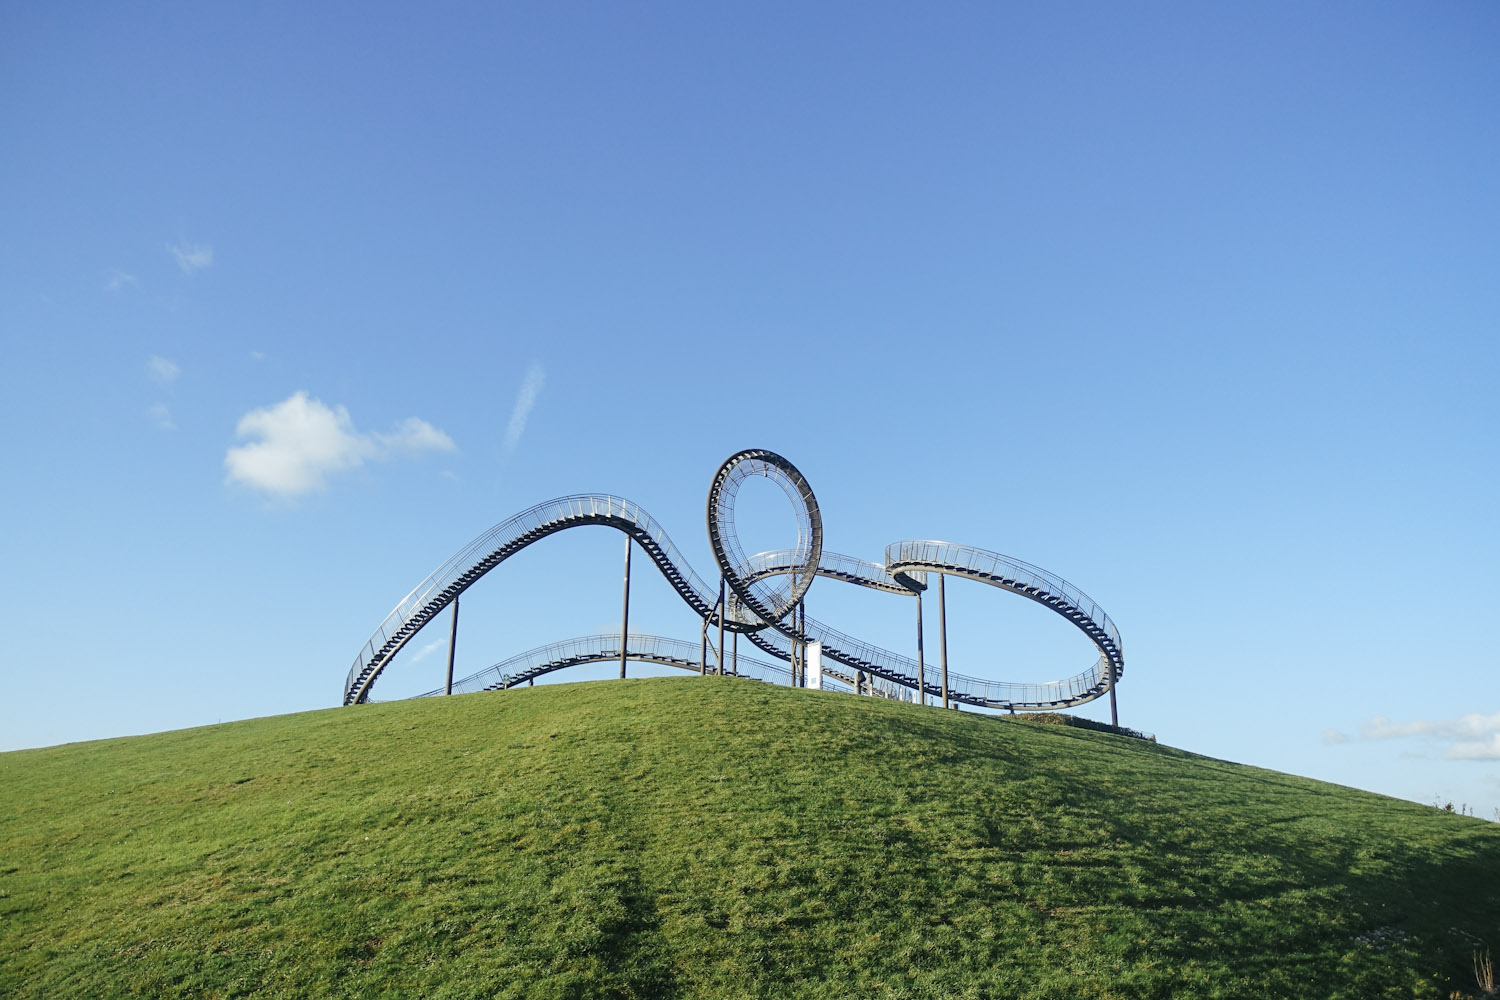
[
  {"x": 904, "y": 572},
  {"x": 799, "y": 566}
]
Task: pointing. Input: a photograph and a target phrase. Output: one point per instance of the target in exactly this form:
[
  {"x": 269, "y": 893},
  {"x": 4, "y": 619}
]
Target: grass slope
[{"x": 714, "y": 838}]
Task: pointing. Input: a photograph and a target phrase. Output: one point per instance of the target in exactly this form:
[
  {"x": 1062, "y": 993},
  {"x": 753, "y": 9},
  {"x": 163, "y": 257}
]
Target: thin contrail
[{"x": 525, "y": 400}]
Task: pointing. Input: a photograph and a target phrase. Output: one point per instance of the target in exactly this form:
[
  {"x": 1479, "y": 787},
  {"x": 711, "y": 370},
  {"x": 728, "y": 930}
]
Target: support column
[
  {"x": 719, "y": 668},
  {"x": 703, "y": 649},
  {"x": 921, "y": 666},
  {"x": 1114, "y": 713},
  {"x": 452, "y": 644},
  {"x": 801, "y": 620},
  {"x": 625, "y": 611},
  {"x": 736, "y": 660},
  {"x": 793, "y": 662},
  {"x": 943, "y": 636}
]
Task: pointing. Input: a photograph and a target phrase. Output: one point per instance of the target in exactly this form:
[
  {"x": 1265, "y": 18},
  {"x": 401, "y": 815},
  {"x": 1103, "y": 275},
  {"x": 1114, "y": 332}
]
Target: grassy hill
[{"x": 714, "y": 838}]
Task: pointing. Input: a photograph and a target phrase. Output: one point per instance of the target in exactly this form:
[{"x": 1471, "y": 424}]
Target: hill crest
[{"x": 714, "y": 837}]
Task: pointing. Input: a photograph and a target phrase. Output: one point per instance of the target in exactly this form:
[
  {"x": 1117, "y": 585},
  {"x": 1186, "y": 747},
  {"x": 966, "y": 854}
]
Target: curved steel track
[
  {"x": 523, "y": 668},
  {"x": 759, "y": 609}
]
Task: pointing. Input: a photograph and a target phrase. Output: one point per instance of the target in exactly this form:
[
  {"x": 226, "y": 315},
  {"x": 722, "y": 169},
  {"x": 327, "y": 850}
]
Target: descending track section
[
  {"x": 1032, "y": 582},
  {"x": 858, "y": 655},
  {"x": 764, "y": 591},
  {"x": 906, "y": 570}
]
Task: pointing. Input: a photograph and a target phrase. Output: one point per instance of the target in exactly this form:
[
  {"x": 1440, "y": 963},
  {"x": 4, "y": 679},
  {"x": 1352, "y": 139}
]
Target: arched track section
[
  {"x": 501, "y": 542},
  {"x": 904, "y": 572},
  {"x": 525, "y": 667}
]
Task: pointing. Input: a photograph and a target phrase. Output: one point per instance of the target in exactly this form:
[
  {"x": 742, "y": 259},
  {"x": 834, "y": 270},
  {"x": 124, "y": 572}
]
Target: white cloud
[
  {"x": 531, "y": 387},
  {"x": 162, "y": 370},
  {"x": 1475, "y": 749},
  {"x": 1473, "y": 736},
  {"x": 410, "y": 437},
  {"x": 257, "y": 356},
  {"x": 118, "y": 280},
  {"x": 428, "y": 649},
  {"x": 1332, "y": 736},
  {"x": 298, "y": 443},
  {"x": 192, "y": 256},
  {"x": 1382, "y": 728},
  {"x": 161, "y": 417}
]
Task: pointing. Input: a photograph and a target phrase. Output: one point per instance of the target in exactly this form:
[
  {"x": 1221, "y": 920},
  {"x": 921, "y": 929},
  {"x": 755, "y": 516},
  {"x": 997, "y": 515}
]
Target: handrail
[
  {"x": 1031, "y": 582},
  {"x": 639, "y": 648},
  {"x": 992, "y": 567},
  {"x": 916, "y": 558},
  {"x": 856, "y": 654},
  {"x": 849, "y": 569},
  {"x": 467, "y": 565}
]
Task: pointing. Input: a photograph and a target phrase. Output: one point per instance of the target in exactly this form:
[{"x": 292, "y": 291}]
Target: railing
[
  {"x": 875, "y": 575},
  {"x": 430, "y": 596},
  {"x": 946, "y": 557},
  {"x": 850, "y": 569},
  {"x": 605, "y": 649},
  {"x": 972, "y": 690}
]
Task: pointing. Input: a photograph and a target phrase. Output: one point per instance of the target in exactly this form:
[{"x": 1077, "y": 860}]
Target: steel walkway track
[
  {"x": 903, "y": 573},
  {"x": 464, "y": 568},
  {"x": 525, "y": 667}
]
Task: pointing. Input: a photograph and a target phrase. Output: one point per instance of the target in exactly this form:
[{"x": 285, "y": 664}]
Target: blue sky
[{"x": 1194, "y": 305}]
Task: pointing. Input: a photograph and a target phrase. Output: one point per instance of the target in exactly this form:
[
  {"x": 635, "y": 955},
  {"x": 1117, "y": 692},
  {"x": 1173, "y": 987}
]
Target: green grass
[{"x": 714, "y": 838}]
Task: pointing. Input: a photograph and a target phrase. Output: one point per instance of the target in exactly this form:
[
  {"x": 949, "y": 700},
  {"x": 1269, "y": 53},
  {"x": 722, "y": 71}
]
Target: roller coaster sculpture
[{"x": 760, "y": 597}]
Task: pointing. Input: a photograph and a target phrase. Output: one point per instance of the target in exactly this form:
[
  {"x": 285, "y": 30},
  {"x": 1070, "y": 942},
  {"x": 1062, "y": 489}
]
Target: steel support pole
[
  {"x": 719, "y": 667},
  {"x": 802, "y": 644},
  {"x": 797, "y": 648},
  {"x": 625, "y": 610},
  {"x": 793, "y": 664},
  {"x": 943, "y": 636},
  {"x": 452, "y": 645},
  {"x": 703, "y": 649},
  {"x": 736, "y": 660},
  {"x": 1114, "y": 713},
  {"x": 921, "y": 666}
]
